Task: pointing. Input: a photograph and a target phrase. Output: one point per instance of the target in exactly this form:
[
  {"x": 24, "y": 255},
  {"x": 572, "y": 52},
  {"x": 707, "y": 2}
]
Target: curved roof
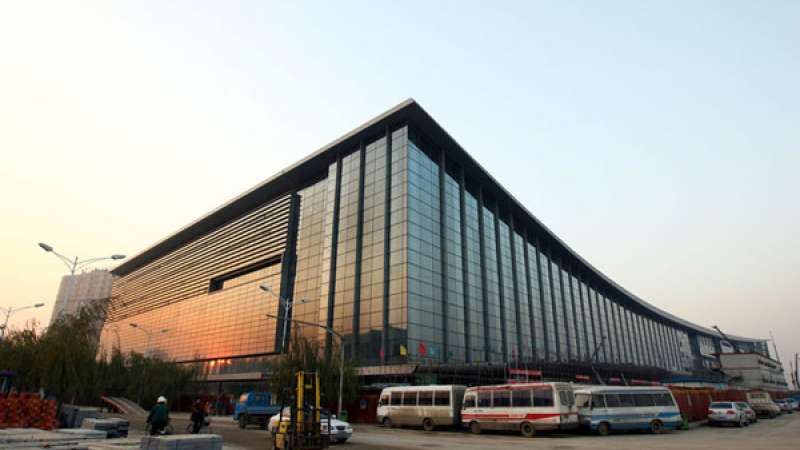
[{"x": 409, "y": 111}]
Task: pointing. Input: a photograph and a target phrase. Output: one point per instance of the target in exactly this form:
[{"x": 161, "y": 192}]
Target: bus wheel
[
  {"x": 387, "y": 422},
  {"x": 527, "y": 429},
  {"x": 655, "y": 427},
  {"x": 603, "y": 429},
  {"x": 427, "y": 424},
  {"x": 475, "y": 428}
]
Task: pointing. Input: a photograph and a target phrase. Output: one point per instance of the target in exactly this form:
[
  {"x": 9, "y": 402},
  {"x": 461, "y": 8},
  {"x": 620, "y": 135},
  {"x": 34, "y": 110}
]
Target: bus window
[
  {"x": 612, "y": 401},
  {"x": 469, "y": 401},
  {"x": 626, "y": 400},
  {"x": 664, "y": 400},
  {"x": 562, "y": 397},
  {"x": 442, "y": 398},
  {"x": 384, "y": 400},
  {"x": 543, "y": 397},
  {"x": 520, "y": 398},
  {"x": 598, "y": 401},
  {"x": 396, "y": 398},
  {"x": 643, "y": 400},
  {"x": 484, "y": 399},
  {"x": 502, "y": 399},
  {"x": 409, "y": 399},
  {"x": 426, "y": 398}
]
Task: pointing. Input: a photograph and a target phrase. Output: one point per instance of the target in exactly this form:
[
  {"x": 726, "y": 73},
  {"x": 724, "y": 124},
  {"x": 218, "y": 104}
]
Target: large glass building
[{"x": 395, "y": 237}]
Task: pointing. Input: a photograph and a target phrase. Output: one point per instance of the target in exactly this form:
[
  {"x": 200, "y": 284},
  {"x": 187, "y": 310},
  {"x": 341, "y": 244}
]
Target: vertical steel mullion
[
  {"x": 464, "y": 260},
  {"x": 500, "y": 285},
  {"x": 484, "y": 283},
  {"x": 387, "y": 225},
  {"x": 531, "y": 318},
  {"x": 554, "y": 308},
  {"x": 610, "y": 354},
  {"x": 288, "y": 272},
  {"x": 443, "y": 251},
  {"x": 542, "y": 300},
  {"x": 356, "y": 340},
  {"x": 564, "y": 309},
  {"x": 334, "y": 249},
  {"x": 512, "y": 244},
  {"x": 584, "y": 290},
  {"x": 578, "y": 337}
]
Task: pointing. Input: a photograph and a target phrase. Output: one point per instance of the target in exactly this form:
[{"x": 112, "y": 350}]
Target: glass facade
[{"x": 408, "y": 256}]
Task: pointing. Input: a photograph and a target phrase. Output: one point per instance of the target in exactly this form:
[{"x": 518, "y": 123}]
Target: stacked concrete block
[{"x": 182, "y": 442}]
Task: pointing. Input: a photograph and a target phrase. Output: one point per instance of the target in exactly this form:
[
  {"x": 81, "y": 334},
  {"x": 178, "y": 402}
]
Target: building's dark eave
[{"x": 317, "y": 162}]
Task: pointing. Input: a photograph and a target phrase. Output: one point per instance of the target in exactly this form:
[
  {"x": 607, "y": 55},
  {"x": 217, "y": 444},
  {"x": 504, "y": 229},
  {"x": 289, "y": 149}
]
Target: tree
[{"x": 308, "y": 355}]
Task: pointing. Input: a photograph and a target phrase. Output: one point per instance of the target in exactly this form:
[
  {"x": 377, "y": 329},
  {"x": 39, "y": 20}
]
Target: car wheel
[
  {"x": 387, "y": 422},
  {"x": 242, "y": 421},
  {"x": 475, "y": 428},
  {"x": 603, "y": 429},
  {"x": 427, "y": 424},
  {"x": 527, "y": 429},
  {"x": 656, "y": 427}
]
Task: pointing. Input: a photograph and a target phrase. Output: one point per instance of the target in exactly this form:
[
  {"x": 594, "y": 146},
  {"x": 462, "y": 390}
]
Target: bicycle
[{"x": 205, "y": 429}]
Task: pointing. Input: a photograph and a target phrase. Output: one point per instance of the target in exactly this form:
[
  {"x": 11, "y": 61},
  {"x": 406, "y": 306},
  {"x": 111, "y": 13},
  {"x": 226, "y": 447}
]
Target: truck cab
[{"x": 254, "y": 407}]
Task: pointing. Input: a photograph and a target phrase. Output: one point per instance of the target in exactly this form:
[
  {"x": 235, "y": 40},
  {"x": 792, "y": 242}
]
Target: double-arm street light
[
  {"x": 287, "y": 306},
  {"x": 332, "y": 332},
  {"x": 75, "y": 264},
  {"x": 11, "y": 310},
  {"x": 149, "y": 334}
]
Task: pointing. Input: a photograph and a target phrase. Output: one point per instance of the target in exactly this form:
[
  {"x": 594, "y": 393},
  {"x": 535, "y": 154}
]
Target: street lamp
[
  {"x": 75, "y": 264},
  {"x": 11, "y": 310},
  {"x": 287, "y": 306},
  {"x": 332, "y": 332},
  {"x": 149, "y": 334}
]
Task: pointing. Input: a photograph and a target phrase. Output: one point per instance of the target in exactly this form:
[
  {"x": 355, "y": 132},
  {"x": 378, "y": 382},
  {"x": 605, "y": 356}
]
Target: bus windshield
[{"x": 582, "y": 400}]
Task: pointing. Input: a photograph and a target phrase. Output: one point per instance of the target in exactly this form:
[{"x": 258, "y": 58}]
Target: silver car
[
  {"x": 340, "y": 431},
  {"x": 727, "y": 412}
]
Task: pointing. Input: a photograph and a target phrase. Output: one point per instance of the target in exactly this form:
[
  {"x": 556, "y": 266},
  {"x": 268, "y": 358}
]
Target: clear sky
[{"x": 660, "y": 141}]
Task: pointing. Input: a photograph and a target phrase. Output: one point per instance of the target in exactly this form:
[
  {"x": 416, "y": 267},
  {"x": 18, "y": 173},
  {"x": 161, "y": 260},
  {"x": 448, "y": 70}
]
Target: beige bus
[{"x": 426, "y": 406}]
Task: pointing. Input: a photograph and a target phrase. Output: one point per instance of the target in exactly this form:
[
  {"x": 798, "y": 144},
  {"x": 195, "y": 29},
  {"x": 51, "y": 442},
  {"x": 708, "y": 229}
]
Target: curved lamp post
[
  {"x": 75, "y": 264},
  {"x": 11, "y": 310},
  {"x": 149, "y": 334},
  {"x": 287, "y": 306}
]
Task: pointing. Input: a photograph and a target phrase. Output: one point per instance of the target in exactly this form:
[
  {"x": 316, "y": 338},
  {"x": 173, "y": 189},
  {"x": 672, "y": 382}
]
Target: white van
[
  {"x": 606, "y": 408},
  {"x": 426, "y": 406},
  {"x": 524, "y": 407}
]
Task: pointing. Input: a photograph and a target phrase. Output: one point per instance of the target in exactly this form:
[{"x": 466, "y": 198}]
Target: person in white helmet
[{"x": 159, "y": 416}]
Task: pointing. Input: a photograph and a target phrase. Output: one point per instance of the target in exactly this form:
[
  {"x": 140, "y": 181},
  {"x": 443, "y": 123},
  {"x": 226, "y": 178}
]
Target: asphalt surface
[{"x": 780, "y": 433}]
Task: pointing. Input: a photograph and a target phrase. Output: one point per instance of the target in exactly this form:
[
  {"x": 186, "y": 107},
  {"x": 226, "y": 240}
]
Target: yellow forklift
[{"x": 302, "y": 428}]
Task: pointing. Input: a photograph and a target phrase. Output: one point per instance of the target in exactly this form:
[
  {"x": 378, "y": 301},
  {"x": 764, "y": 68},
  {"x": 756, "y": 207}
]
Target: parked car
[
  {"x": 794, "y": 402},
  {"x": 727, "y": 412},
  {"x": 254, "y": 407},
  {"x": 784, "y": 405},
  {"x": 762, "y": 403},
  {"x": 339, "y": 431},
  {"x": 752, "y": 417}
]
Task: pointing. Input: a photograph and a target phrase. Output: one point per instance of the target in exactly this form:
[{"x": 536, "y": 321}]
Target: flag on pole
[
  {"x": 403, "y": 350},
  {"x": 421, "y": 349},
  {"x": 381, "y": 354}
]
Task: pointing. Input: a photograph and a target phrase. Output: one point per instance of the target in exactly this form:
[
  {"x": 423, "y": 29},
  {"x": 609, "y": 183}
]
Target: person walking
[
  {"x": 198, "y": 416},
  {"x": 158, "y": 417}
]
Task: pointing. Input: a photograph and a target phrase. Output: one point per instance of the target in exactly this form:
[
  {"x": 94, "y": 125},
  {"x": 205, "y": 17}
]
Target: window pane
[
  {"x": 612, "y": 401},
  {"x": 409, "y": 398},
  {"x": 425, "y": 398},
  {"x": 442, "y": 399},
  {"x": 502, "y": 399},
  {"x": 643, "y": 400},
  {"x": 543, "y": 397},
  {"x": 469, "y": 401},
  {"x": 521, "y": 398},
  {"x": 626, "y": 400},
  {"x": 484, "y": 399},
  {"x": 396, "y": 398}
]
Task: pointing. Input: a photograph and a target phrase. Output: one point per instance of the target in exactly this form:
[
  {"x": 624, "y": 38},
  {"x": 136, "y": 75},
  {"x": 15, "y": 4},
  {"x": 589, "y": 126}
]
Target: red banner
[
  {"x": 583, "y": 378},
  {"x": 525, "y": 372}
]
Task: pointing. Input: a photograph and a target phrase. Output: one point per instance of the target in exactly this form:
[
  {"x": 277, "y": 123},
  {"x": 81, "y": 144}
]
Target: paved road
[{"x": 780, "y": 433}]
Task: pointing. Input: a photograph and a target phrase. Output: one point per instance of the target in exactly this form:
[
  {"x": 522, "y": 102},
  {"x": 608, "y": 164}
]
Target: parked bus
[
  {"x": 426, "y": 406},
  {"x": 614, "y": 408},
  {"x": 523, "y": 407}
]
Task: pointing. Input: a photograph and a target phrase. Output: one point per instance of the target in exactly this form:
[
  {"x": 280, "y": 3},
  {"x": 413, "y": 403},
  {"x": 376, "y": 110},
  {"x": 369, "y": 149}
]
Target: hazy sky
[{"x": 659, "y": 141}]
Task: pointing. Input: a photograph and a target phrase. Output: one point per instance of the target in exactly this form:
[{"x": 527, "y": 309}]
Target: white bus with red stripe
[{"x": 523, "y": 407}]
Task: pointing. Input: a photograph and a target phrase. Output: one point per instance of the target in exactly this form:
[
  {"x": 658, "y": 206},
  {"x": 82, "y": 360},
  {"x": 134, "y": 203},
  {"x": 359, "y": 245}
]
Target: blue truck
[{"x": 254, "y": 407}]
